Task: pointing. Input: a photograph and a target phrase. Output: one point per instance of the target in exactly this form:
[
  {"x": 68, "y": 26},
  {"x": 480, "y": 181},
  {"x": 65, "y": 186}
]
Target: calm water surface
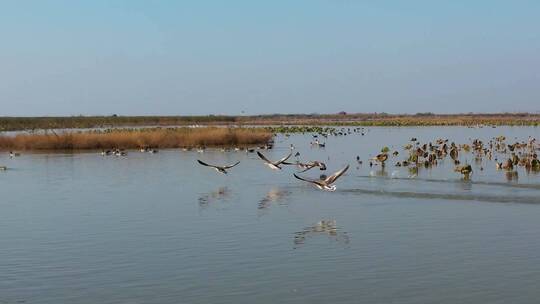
[{"x": 83, "y": 228}]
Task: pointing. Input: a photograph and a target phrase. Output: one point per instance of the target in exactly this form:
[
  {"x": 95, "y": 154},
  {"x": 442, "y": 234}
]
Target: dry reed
[{"x": 131, "y": 139}]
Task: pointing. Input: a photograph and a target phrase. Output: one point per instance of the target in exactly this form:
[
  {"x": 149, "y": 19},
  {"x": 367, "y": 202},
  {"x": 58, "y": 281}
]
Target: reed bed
[{"x": 134, "y": 139}]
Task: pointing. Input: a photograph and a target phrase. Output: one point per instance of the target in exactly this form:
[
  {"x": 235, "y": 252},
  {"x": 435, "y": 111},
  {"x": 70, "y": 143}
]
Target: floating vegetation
[{"x": 428, "y": 155}]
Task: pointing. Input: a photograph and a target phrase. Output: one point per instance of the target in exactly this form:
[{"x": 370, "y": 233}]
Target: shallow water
[{"x": 159, "y": 228}]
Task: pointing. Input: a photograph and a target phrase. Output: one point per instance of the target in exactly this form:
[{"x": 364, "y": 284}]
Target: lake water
[{"x": 159, "y": 228}]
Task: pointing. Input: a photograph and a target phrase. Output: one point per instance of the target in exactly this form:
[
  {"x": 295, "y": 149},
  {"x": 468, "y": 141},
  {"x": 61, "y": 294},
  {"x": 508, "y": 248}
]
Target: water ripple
[{"x": 449, "y": 196}]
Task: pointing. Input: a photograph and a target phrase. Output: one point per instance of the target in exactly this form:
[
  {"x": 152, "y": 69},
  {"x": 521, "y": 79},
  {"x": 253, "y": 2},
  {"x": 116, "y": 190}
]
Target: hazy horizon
[
  {"x": 63, "y": 58},
  {"x": 272, "y": 114}
]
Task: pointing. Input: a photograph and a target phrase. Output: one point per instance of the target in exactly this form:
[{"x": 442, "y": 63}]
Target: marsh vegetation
[{"x": 136, "y": 138}]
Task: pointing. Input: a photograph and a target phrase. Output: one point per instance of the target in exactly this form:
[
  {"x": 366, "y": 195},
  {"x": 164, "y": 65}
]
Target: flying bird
[
  {"x": 220, "y": 169},
  {"x": 307, "y": 166},
  {"x": 271, "y": 164},
  {"x": 328, "y": 182}
]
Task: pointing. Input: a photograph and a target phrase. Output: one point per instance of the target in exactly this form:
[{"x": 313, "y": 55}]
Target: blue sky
[{"x": 225, "y": 57}]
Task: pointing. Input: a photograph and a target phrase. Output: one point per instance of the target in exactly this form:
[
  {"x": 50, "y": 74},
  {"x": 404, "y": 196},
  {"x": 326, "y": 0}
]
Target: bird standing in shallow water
[
  {"x": 465, "y": 170},
  {"x": 381, "y": 158}
]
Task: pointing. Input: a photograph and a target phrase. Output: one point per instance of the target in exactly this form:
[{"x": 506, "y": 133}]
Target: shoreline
[{"x": 353, "y": 120}]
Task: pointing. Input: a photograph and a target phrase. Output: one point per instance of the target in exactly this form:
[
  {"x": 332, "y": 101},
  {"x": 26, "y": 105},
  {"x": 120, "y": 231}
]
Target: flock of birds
[
  {"x": 324, "y": 183},
  {"x": 507, "y": 156},
  {"x": 513, "y": 155}
]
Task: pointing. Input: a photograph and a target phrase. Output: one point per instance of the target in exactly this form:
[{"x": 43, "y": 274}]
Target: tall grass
[{"x": 131, "y": 139}]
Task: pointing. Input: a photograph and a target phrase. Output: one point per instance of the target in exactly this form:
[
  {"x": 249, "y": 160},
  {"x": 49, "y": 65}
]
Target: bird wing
[
  {"x": 332, "y": 178},
  {"x": 284, "y": 159},
  {"x": 307, "y": 180},
  {"x": 264, "y": 157},
  {"x": 230, "y": 166},
  {"x": 208, "y": 165},
  {"x": 309, "y": 167},
  {"x": 287, "y": 163},
  {"x": 205, "y": 164},
  {"x": 321, "y": 165}
]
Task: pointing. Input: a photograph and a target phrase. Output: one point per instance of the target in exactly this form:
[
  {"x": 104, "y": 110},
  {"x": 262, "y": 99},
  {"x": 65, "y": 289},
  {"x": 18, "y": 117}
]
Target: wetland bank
[{"x": 342, "y": 119}]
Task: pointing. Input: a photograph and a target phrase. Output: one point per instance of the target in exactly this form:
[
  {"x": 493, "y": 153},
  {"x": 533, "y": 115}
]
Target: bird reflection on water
[
  {"x": 322, "y": 228},
  {"x": 221, "y": 194},
  {"x": 379, "y": 173},
  {"x": 275, "y": 195},
  {"x": 511, "y": 176}
]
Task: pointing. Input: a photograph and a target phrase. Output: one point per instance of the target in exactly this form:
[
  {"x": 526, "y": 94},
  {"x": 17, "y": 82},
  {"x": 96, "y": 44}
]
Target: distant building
[{"x": 342, "y": 113}]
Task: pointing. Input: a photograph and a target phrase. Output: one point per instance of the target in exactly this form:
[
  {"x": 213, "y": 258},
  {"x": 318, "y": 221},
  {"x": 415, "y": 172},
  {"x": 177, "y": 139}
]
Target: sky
[{"x": 261, "y": 57}]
